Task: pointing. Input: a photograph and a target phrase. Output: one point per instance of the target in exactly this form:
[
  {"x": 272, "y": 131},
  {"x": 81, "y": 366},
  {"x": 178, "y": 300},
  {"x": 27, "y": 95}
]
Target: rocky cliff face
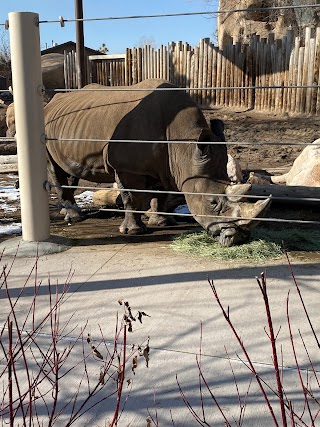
[{"x": 241, "y": 25}]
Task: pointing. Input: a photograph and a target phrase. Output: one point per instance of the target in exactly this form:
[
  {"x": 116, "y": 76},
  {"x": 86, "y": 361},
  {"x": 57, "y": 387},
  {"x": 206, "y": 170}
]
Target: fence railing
[
  {"x": 241, "y": 75},
  {"x": 27, "y": 83}
]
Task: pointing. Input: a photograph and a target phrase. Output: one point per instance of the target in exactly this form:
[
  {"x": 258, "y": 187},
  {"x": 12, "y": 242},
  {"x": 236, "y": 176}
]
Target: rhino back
[{"x": 118, "y": 114}]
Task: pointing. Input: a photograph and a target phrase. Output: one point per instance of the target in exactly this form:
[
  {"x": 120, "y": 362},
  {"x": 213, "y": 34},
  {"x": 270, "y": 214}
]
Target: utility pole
[{"x": 81, "y": 59}]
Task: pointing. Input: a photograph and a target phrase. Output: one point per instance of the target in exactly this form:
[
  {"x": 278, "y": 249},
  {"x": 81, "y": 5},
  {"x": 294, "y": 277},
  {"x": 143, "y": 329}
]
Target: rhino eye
[{"x": 215, "y": 204}]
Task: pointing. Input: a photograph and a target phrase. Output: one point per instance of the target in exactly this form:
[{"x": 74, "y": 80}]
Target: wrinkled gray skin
[
  {"x": 52, "y": 66},
  {"x": 146, "y": 115}
]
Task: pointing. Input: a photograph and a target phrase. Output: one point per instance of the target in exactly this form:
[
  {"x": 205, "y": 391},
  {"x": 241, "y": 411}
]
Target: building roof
[{"x": 70, "y": 45}]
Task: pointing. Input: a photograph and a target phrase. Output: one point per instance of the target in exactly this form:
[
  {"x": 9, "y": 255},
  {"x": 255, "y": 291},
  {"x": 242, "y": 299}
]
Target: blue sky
[{"x": 119, "y": 34}]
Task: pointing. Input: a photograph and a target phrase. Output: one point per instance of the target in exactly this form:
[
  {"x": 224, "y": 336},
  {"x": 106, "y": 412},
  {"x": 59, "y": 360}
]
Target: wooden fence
[{"x": 260, "y": 63}]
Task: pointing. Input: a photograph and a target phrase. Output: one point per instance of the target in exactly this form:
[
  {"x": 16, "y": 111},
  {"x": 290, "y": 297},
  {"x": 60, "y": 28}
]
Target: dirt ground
[{"x": 240, "y": 126}]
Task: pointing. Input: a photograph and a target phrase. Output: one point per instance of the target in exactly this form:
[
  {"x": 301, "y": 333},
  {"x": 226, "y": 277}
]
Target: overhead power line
[{"x": 61, "y": 20}]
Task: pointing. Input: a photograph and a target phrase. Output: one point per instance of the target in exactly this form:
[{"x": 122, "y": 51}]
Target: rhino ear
[
  {"x": 217, "y": 127},
  {"x": 205, "y": 135},
  {"x": 236, "y": 193}
]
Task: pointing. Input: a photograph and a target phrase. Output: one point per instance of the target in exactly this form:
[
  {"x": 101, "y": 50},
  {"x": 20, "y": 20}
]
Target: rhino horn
[
  {"x": 236, "y": 192},
  {"x": 253, "y": 210}
]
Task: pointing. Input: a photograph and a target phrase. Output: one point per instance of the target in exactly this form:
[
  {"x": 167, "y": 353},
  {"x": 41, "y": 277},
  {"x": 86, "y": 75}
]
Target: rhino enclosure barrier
[{"x": 30, "y": 136}]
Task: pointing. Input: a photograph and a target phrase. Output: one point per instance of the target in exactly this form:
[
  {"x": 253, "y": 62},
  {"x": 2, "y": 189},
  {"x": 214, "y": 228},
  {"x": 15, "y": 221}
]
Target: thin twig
[
  {"x": 252, "y": 368},
  {"x": 263, "y": 288}
]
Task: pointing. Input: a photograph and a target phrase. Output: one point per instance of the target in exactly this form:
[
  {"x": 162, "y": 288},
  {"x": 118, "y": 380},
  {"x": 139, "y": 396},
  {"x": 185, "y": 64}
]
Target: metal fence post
[{"x": 29, "y": 117}]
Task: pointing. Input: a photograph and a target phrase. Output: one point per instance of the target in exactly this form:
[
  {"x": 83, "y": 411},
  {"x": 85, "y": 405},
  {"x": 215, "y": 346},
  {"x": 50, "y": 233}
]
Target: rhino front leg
[
  {"x": 132, "y": 223},
  {"x": 59, "y": 177}
]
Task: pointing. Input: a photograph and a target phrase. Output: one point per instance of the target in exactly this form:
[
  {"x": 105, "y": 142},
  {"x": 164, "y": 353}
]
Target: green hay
[{"x": 263, "y": 244}]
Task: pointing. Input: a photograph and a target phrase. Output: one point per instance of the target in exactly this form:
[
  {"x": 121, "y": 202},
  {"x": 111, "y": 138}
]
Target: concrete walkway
[{"x": 173, "y": 290}]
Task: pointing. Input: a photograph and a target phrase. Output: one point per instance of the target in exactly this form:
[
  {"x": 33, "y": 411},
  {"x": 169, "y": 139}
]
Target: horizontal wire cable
[
  {"x": 181, "y": 193},
  {"x": 174, "y": 89},
  {"x": 140, "y": 141},
  {"x": 169, "y": 15},
  {"x": 222, "y": 218}
]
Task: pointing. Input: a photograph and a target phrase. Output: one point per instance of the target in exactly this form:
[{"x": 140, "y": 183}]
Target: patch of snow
[
  {"x": 5, "y": 207},
  {"x": 13, "y": 228},
  {"x": 9, "y": 193},
  {"x": 84, "y": 199}
]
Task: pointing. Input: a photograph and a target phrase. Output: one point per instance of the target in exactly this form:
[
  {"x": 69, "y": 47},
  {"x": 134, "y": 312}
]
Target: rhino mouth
[{"x": 230, "y": 236}]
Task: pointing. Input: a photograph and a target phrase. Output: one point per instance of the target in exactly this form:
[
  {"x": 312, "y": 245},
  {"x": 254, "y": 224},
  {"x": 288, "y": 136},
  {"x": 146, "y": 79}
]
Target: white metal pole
[{"x": 29, "y": 117}]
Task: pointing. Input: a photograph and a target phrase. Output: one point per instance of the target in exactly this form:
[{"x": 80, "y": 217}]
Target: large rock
[
  {"x": 305, "y": 170},
  {"x": 241, "y": 25},
  {"x": 107, "y": 197}
]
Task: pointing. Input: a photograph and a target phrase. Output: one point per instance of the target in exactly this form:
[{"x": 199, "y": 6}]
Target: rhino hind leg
[
  {"x": 58, "y": 177},
  {"x": 159, "y": 204}
]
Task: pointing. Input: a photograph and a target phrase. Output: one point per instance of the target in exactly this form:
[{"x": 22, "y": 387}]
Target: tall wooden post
[{"x": 81, "y": 60}]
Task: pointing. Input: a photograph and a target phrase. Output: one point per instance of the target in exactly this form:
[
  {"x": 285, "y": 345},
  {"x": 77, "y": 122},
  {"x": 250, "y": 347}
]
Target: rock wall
[{"x": 241, "y": 25}]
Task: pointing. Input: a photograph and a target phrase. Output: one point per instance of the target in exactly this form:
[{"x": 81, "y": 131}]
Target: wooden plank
[
  {"x": 316, "y": 65},
  {"x": 171, "y": 50},
  {"x": 9, "y": 168},
  {"x": 214, "y": 75},
  {"x": 140, "y": 66},
  {"x": 223, "y": 75},
  {"x": 209, "y": 74},
  {"x": 287, "y": 44},
  {"x": 241, "y": 77},
  {"x": 246, "y": 74},
  {"x": 298, "y": 107},
  {"x": 192, "y": 66},
  {"x": 229, "y": 65},
  {"x": 188, "y": 68},
  {"x": 218, "y": 75},
  {"x": 294, "y": 92},
  {"x": 310, "y": 76},
  {"x": 206, "y": 42},
  {"x": 200, "y": 75},
  {"x": 196, "y": 73},
  {"x": 150, "y": 59},
  {"x": 128, "y": 67},
  {"x": 184, "y": 64},
  {"x": 161, "y": 64},
  {"x": 285, "y": 191},
  {"x": 305, "y": 70},
  {"x": 289, "y": 82},
  {"x": 257, "y": 57},
  {"x": 279, "y": 82}
]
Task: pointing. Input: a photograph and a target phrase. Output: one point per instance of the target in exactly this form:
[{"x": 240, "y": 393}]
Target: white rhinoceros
[
  {"x": 125, "y": 115},
  {"x": 52, "y": 66}
]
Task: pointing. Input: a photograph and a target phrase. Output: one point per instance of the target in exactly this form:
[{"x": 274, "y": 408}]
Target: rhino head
[
  {"x": 228, "y": 217},
  {"x": 219, "y": 207}
]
